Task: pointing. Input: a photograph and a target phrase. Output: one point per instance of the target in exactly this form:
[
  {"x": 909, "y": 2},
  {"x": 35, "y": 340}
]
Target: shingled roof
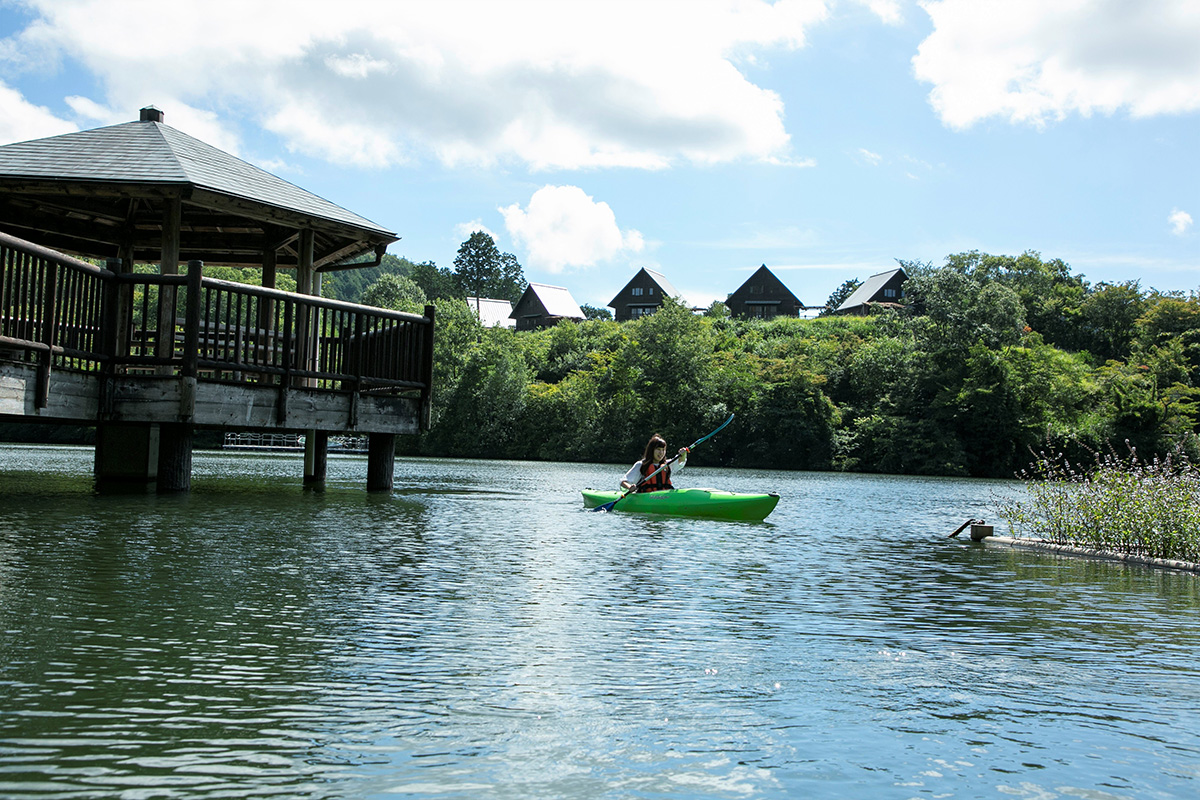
[
  {"x": 871, "y": 291},
  {"x": 112, "y": 181}
]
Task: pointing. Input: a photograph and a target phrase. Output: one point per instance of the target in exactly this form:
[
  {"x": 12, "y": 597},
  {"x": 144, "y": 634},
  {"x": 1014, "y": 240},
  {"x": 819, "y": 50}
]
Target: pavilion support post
[
  {"x": 266, "y": 308},
  {"x": 309, "y": 282},
  {"x": 304, "y": 266},
  {"x": 304, "y": 282},
  {"x": 127, "y": 456},
  {"x": 316, "y": 459},
  {"x": 175, "y": 458},
  {"x": 121, "y": 300},
  {"x": 168, "y": 264},
  {"x": 381, "y": 461}
]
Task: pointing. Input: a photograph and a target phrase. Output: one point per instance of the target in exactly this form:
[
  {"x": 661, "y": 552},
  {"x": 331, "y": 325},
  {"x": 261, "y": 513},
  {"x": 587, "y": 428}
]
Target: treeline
[
  {"x": 480, "y": 270},
  {"x": 989, "y": 357}
]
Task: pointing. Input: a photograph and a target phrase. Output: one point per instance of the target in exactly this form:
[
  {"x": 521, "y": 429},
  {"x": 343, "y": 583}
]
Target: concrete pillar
[
  {"x": 126, "y": 457},
  {"x": 316, "y": 458},
  {"x": 175, "y": 458},
  {"x": 381, "y": 461}
]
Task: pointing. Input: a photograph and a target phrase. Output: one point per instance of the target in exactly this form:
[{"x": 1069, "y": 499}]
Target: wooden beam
[{"x": 263, "y": 212}]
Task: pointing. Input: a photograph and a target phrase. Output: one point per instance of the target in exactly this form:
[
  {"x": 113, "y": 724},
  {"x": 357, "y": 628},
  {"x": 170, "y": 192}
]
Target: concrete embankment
[{"x": 1084, "y": 552}]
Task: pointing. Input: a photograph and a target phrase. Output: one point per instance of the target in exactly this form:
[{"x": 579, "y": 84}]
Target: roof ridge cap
[{"x": 158, "y": 126}]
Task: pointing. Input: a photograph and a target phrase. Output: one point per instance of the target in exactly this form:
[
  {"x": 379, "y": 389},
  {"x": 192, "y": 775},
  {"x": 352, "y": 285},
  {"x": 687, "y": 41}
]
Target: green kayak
[{"x": 711, "y": 503}]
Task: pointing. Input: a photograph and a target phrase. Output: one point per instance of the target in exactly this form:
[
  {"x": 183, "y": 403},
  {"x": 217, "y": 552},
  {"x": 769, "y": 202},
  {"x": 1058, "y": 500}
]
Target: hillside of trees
[{"x": 992, "y": 356}]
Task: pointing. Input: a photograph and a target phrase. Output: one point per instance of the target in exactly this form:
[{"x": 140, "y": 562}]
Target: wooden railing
[{"x": 64, "y": 313}]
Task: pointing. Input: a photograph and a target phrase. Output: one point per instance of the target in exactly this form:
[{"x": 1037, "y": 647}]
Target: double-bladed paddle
[{"x": 665, "y": 464}]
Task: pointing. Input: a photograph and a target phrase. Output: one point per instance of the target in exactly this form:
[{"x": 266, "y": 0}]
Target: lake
[{"x": 477, "y": 634}]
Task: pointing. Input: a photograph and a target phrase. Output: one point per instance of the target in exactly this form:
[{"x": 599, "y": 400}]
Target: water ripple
[{"x": 476, "y": 634}]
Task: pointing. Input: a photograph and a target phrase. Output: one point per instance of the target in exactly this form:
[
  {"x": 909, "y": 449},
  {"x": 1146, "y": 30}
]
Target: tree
[
  {"x": 481, "y": 270},
  {"x": 595, "y": 312},
  {"x": 717, "y": 310},
  {"x": 394, "y": 292},
  {"x": 839, "y": 296},
  {"x": 1109, "y": 316},
  {"x": 437, "y": 283}
]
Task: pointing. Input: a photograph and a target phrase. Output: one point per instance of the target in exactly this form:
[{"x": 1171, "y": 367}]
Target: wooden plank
[{"x": 72, "y": 397}]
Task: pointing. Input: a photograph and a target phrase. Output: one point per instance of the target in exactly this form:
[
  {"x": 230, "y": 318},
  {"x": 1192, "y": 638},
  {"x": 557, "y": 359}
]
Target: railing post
[
  {"x": 357, "y": 353},
  {"x": 49, "y": 312},
  {"x": 112, "y": 326},
  {"x": 285, "y": 380},
  {"x": 110, "y": 315},
  {"x": 427, "y": 369},
  {"x": 191, "y": 326}
]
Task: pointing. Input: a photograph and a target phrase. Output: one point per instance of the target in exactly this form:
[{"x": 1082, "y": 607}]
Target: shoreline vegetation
[
  {"x": 985, "y": 359},
  {"x": 1118, "y": 504}
]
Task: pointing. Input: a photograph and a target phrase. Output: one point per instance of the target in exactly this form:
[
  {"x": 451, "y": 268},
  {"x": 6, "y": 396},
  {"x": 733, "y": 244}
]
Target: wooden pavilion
[{"x": 156, "y": 355}]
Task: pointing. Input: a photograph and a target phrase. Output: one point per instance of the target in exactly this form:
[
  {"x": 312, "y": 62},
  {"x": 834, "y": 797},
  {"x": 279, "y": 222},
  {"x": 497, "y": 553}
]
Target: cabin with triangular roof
[
  {"x": 644, "y": 294},
  {"x": 763, "y": 296},
  {"x": 492, "y": 313},
  {"x": 883, "y": 290},
  {"x": 543, "y": 305}
]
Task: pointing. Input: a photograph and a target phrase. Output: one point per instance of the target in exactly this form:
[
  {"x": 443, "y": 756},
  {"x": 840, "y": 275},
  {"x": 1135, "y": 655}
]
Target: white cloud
[
  {"x": 355, "y": 65},
  {"x": 798, "y": 163},
  {"x": 552, "y": 85},
  {"x": 1180, "y": 222},
  {"x": 1032, "y": 61},
  {"x": 563, "y": 227},
  {"x": 871, "y": 158},
  {"x": 465, "y": 229},
  {"x": 888, "y": 11},
  {"x": 21, "y": 120}
]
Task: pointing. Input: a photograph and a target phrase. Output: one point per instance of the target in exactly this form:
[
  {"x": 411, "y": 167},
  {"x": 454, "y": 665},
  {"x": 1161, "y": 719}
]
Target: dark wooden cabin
[
  {"x": 764, "y": 296},
  {"x": 543, "y": 305},
  {"x": 644, "y": 294},
  {"x": 883, "y": 290}
]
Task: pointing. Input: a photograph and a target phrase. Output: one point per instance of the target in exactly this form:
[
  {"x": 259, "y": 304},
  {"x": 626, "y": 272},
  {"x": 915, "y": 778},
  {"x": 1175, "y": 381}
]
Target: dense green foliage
[{"x": 991, "y": 356}]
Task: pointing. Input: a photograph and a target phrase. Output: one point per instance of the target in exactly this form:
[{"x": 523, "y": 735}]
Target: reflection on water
[{"x": 477, "y": 634}]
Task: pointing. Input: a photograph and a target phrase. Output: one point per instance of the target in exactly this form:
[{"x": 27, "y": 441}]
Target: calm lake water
[{"x": 476, "y": 634}]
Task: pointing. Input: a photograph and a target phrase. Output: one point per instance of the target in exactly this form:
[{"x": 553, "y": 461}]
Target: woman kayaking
[{"x": 653, "y": 457}]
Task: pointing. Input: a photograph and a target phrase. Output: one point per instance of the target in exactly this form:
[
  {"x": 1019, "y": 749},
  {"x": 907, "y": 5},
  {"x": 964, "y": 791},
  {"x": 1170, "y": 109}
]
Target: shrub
[{"x": 1118, "y": 503}]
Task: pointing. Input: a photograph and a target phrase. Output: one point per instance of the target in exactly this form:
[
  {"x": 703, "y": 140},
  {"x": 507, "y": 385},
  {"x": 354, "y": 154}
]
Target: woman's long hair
[{"x": 648, "y": 464}]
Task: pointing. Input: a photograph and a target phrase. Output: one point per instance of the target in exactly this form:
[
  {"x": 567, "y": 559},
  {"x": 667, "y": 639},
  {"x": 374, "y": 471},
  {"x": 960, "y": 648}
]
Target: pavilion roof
[{"x": 84, "y": 191}]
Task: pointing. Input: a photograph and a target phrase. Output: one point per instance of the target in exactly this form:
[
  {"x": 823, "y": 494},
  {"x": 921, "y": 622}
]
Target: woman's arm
[{"x": 632, "y": 477}]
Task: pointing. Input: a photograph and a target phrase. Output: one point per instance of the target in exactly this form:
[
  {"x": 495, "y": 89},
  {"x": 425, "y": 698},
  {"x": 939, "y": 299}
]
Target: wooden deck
[{"x": 81, "y": 344}]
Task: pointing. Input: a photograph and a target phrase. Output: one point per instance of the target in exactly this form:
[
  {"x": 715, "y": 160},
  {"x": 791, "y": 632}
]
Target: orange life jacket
[{"x": 656, "y": 484}]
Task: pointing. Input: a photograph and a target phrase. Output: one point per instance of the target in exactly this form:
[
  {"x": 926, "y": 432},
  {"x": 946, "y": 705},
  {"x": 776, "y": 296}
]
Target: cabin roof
[
  {"x": 556, "y": 300},
  {"x": 869, "y": 288},
  {"x": 492, "y": 313},
  {"x": 765, "y": 276},
  {"x": 663, "y": 283},
  {"x": 659, "y": 280}
]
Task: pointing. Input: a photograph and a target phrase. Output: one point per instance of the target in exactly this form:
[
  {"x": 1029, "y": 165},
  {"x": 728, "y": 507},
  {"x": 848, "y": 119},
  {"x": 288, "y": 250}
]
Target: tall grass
[{"x": 1118, "y": 503}]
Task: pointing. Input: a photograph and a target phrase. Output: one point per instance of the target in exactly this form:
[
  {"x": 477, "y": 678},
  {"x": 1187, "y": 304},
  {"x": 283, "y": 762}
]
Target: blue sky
[{"x": 824, "y": 138}]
